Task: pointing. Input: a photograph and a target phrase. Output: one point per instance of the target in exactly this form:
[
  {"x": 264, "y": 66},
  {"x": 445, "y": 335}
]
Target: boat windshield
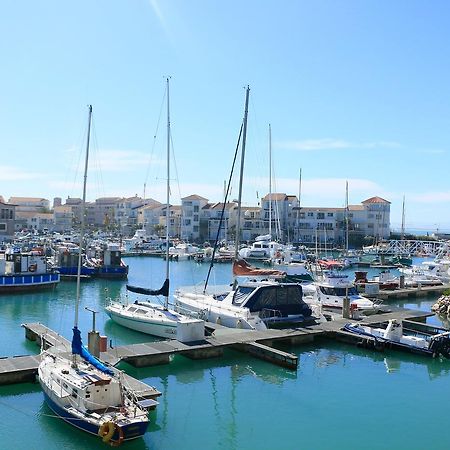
[{"x": 339, "y": 291}]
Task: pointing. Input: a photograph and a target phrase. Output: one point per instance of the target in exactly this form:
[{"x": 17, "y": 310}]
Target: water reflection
[{"x": 391, "y": 360}]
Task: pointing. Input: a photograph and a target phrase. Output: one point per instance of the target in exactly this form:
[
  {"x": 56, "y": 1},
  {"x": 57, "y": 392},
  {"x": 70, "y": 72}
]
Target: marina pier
[{"x": 259, "y": 344}]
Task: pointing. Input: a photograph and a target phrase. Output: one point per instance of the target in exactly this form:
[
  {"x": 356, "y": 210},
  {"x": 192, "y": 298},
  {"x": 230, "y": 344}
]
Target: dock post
[
  {"x": 346, "y": 306},
  {"x": 402, "y": 281}
]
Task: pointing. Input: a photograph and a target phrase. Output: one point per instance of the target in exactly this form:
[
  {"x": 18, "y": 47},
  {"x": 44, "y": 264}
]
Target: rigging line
[
  {"x": 155, "y": 136},
  {"x": 223, "y": 208}
]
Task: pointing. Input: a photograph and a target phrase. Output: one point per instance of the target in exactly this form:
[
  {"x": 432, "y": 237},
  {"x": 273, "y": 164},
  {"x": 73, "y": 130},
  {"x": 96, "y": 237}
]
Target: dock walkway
[{"x": 259, "y": 344}]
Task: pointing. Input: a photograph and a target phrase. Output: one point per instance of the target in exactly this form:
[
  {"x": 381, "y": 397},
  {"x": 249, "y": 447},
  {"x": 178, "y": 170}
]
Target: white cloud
[
  {"x": 11, "y": 173},
  {"x": 120, "y": 161},
  {"x": 430, "y": 197},
  {"x": 333, "y": 144}
]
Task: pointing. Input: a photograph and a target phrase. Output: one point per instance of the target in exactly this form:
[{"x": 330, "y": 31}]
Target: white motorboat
[
  {"x": 332, "y": 287},
  {"x": 254, "y": 305},
  {"x": 394, "y": 334}
]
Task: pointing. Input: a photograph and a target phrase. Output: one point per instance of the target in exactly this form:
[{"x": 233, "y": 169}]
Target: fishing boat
[
  {"x": 80, "y": 389},
  {"x": 149, "y": 317},
  {"x": 66, "y": 262},
  {"x": 395, "y": 335},
  {"x": 25, "y": 271},
  {"x": 108, "y": 261}
]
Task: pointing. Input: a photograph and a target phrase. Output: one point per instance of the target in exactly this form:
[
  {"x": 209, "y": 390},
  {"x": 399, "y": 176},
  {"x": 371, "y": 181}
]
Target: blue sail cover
[{"x": 79, "y": 349}]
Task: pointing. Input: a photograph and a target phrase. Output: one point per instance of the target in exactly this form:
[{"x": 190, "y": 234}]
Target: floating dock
[
  {"x": 259, "y": 344},
  {"x": 401, "y": 293}
]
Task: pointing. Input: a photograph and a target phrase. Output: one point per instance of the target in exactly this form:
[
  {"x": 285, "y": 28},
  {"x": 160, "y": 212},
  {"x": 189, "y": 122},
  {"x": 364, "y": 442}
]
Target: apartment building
[
  {"x": 191, "y": 208},
  {"x": 7, "y": 220}
]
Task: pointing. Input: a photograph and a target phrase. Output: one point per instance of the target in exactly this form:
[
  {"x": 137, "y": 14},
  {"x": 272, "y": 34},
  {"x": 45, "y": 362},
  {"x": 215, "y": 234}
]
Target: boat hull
[
  {"x": 154, "y": 328},
  {"x": 130, "y": 431},
  {"x": 21, "y": 283}
]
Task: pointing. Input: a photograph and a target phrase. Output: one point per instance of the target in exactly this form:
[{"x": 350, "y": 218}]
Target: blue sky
[{"x": 353, "y": 90}]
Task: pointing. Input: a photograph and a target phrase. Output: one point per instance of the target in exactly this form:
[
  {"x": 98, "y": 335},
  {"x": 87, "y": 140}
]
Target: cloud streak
[
  {"x": 11, "y": 173},
  {"x": 309, "y": 145}
]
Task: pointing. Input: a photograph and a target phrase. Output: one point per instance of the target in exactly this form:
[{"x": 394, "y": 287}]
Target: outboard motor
[{"x": 394, "y": 330}]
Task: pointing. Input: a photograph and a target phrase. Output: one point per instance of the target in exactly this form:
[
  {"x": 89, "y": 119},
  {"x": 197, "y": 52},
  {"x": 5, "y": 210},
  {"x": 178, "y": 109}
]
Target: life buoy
[
  {"x": 106, "y": 431},
  {"x": 118, "y": 441}
]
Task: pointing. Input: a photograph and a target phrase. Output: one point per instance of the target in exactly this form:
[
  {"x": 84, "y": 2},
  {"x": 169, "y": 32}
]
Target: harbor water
[{"x": 341, "y": 397}]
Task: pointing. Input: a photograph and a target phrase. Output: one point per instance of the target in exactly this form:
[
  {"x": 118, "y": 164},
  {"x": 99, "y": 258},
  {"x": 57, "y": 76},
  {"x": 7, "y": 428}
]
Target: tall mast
[
  {"x": 166, "y": 301},
  {"x": 299, "y": 203},
  {"x": 83, "y": 213},
  {"x": 346, "y": 216},
  {"x": 270, "y": 181},
  {"x": 244, "y": 135},
  {"x": 403, "y": 220}
]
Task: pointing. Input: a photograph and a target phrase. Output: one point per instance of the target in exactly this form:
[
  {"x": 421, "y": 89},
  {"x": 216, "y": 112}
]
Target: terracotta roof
[
  {"x": 194, "y": 197},
  {"x": 107, "y": 199},
  {"x": 275, "y": 196},
  {"x": 228, "y": 205},
  {"x": 26, "y": 199},
  {"x": 375, "y": 200}
]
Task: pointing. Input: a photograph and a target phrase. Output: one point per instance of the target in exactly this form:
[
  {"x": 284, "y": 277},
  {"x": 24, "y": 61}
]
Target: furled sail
[
  {"x": 164, "y": 291},
  {"x": 79, "y": 349}
]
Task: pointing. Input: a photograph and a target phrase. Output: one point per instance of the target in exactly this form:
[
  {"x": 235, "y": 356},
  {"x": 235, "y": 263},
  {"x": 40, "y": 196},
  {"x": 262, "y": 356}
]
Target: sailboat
[
  {"x": 254, "y": 305},
  {"x": 151, "y": 318},
  {"x": 79, "y": 388}
]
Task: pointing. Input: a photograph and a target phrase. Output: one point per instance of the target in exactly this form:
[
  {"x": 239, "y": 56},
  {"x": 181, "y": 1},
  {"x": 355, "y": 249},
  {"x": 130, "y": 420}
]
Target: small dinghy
[{"x": 394, "y": 335}]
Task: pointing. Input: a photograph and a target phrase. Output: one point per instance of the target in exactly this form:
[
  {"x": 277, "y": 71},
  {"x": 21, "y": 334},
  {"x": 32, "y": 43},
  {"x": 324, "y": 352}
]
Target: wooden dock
[
  {"x": 420, "y": 291},
  {"x": 259, "y": 344}
]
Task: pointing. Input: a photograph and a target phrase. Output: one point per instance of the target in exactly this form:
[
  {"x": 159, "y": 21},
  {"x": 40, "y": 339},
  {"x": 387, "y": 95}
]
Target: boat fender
[{"x": 106, "y": 431}]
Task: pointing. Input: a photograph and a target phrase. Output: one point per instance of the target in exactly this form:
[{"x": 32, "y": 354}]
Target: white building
[{"x": 191, "y": 208}]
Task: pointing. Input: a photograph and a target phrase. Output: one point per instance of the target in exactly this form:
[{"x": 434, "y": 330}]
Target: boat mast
[
  {"x": 346, "y": 217},
  {"x": 166, "y": 299},
  {"x": 403, "y": 220},
  {"x": 270, "y": 182},
  {"x": 83, "y": 214},
  {"x": 244, "y": 135},
  {"x": 299, "y": 204}
]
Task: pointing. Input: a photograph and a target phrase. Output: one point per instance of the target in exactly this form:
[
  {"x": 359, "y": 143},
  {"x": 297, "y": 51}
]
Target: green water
[{"x": 341, "y": 397}]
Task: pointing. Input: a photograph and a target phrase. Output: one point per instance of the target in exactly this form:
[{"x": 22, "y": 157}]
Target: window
[
  {"x": 2, "y": 226},
  {"x": 196, "y": 208},
  {"x": 302, "y": 215},
  {"x": 320, "y": 215},
  {"x": 195, "y": 217},
  {"x": 310, "y": 214},
  {"x": 187, "y": 222},
  {"x": 195, "y": 229},
  {"x": 329, "y": 214},
  {"x": 378, "y": 216},
  {"x": 370, "y": 216}
]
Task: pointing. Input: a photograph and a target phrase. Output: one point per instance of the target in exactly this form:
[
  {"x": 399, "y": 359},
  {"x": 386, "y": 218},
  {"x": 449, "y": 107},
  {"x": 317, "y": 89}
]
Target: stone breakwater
[{"x": 442, "y": 306}]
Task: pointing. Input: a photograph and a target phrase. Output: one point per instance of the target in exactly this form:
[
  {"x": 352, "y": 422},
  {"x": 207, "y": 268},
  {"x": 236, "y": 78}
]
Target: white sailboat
[
  {"x": 151, "y": 318},
  {"x": 249, "y": 305},
  {"x": 83, "y": 391}
]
